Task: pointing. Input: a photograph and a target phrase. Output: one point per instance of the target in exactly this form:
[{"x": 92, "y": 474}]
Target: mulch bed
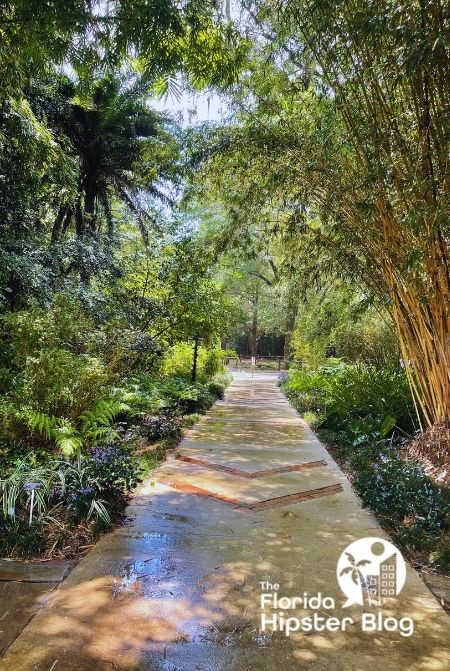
[{"x": 432, "y": 449}]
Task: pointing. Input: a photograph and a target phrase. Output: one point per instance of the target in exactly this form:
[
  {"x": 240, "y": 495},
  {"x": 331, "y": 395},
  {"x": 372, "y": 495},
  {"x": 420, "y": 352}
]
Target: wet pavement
[
  {"x": 25, "y": 587},
  {"x": 178, "y": 589}
]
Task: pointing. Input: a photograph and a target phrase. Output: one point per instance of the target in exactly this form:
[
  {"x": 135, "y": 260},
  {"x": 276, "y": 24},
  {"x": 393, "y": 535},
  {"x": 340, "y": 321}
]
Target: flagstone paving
[
  {"x": 178, "y": 589},
  {"x": 24, "y": 589}
]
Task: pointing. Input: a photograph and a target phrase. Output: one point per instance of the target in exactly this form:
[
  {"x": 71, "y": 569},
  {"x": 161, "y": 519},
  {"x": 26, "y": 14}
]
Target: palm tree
[
  {"x": 354, "y": 570},
  {"x": 123, "y": 149}
]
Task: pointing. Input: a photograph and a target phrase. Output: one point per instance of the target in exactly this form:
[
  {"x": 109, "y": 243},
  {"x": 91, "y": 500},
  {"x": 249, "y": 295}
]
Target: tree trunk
[
  {"x": 290, "y": 326},
  {"x": 195, "y": 359},
  {"x": 254, "y": 334}
]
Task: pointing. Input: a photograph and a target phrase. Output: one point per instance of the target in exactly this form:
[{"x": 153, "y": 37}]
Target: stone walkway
[
  {"x": 24, "y": 589},
  {"x": 249, "y": 496}
]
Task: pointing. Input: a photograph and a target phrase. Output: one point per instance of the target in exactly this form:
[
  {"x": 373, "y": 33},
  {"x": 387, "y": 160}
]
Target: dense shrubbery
[
  {"x": 105, "y": 475},
  {"x": 358, "y": 400},
  {"x": 40, "y": 504},
  {"x": 91, "y": 489},
  {"x": 402, "y": 493},
  {"x": 164, "y": 425},
  {"x": 80, "y": 400},
  {"x": 365, "y": 415}
]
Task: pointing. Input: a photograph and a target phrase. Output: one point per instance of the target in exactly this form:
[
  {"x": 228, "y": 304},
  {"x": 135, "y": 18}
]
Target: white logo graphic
[{"x": 370, "y": 569}]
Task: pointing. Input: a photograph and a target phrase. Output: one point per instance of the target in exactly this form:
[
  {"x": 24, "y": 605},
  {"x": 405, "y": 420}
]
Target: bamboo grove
[{"x": 388, "y": 64}]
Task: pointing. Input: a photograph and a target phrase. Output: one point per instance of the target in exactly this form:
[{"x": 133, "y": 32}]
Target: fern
[
  {"x": 39, "y": 421},
  {"x": 103, "y": 415},
  {"x": 66, "y": 437},
  {"x": 96, "y": 425}
]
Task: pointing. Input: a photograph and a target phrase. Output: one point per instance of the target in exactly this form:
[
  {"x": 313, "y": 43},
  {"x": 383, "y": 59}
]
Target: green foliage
[
  {"x": 399, "y": 492},
  {"x": 55, "y": 364},
  {"x": 97, "y": 484},
  {"x": 360, "y": 401},
  {"x": 185, "y": 397},
  {"x": 361, "y": 413},
  {"x": 27, "y": 153},
  {"x": 94, "y": 486},
  {"x": 116, "y": 138},
  {"x": 342, "y": 323},
  {"x": 216, "y": 389},
  {"x": 160, "y": 427},
  {"x": 20, "y": 539},
  {"x": 93, "y": 425},
  {"x": 17, "y": 487},
  {"x": 190, "y": 420},
  {"x": 164, "y": 37},
  {"x": 213, "y": 364},
  {"x": 59, "y": 430},
  {"x": 179, "y": 358},
  {"x": 99, "y": 276}
]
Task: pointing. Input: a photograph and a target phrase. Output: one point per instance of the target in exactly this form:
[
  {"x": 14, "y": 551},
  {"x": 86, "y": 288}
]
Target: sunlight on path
[{"x": 250, "y": 495}]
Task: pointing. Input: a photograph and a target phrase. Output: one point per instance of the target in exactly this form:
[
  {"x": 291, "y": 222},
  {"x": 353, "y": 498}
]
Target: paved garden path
[{"x": 178, "y": 589}]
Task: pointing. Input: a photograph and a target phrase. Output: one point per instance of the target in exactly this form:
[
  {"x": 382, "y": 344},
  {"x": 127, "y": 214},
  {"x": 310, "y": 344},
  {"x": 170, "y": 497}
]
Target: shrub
[
  {"x": 19, "y": 539},
  {"x": 361, "y": 401},
  {"x": 53, "y": 366},
  {"x": 142, "y": 395},
  {"x": 25, "y": 486},
  {"x": 216, "y": 389},
  {"x": 399, "y": 492},
  {"x": 361, "y": 392},
  {"x": 93, "y": 486},
  {"x": 185, "y": 398},
  {"x": 223, "y": 378},
  {"x": 179, "y": 358},
  {"x": 190, "y": 420},
  {"x": 97, "y": 484},
  {"x": 59, "y": 382},
  {"x": 213, "y": 363},
  {"x": 178, "y": 361},
  {"x": 157, "y": 427}
]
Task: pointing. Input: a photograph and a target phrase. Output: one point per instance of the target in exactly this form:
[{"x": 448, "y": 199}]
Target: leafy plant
[
  {"x": 400, "y": 492},
  {"x": 216, "y": 389},
  {"x": 94, "y": 425},
  {"x": 19, "y": 538},
  {"x": 97, "y": 483},
  {"x": 165, "y": 425},
  {"x": 363, "y": 402},
  {"x": 25, "y": 485}
]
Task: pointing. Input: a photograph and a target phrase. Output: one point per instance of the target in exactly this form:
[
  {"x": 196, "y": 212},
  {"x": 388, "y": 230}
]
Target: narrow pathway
[{"x": 249, "y": 496}]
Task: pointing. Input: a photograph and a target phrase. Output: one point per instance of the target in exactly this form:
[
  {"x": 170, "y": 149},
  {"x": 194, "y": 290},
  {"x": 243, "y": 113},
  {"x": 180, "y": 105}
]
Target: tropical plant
[
  {"x": 28, "y": 487},
  {"x": 97, "y": 484},
  {"x": 362, "y": 402},
  {"x": 117, "y": 140},
  {"x": 94, "y": 425}
]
